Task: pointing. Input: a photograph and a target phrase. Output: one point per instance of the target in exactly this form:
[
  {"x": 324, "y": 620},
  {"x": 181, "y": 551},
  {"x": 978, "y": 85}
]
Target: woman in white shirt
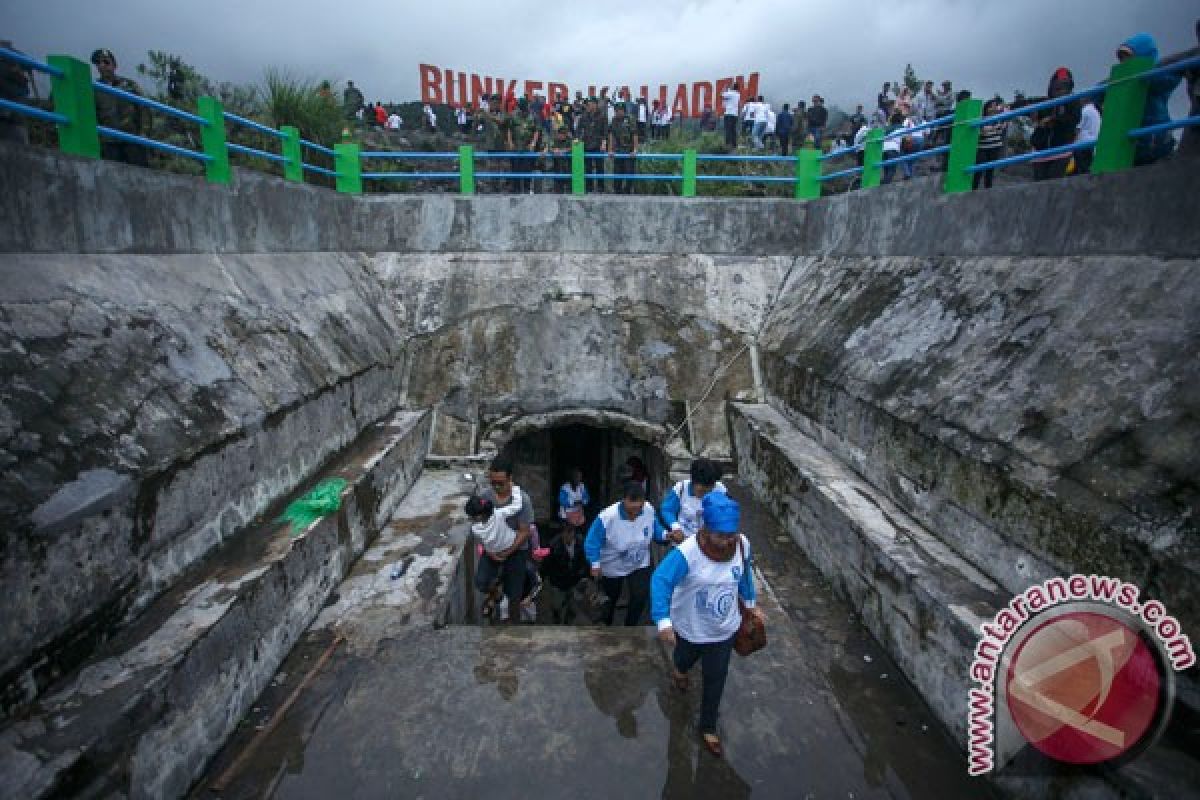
[{"x": 695, "y": 595}]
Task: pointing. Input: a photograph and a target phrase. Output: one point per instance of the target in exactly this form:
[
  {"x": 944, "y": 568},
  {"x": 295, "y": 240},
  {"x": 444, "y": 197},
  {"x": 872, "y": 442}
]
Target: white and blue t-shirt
[
  {"x": 680, "y": 506},
  {"x": 569, "y": 497},
  {"x": 619, "y": 545},
  {"x": 698, "y": 596}
]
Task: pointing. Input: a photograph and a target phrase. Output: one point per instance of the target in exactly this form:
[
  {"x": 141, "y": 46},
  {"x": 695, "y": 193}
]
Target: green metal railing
[{"x": 79, "y": 134}]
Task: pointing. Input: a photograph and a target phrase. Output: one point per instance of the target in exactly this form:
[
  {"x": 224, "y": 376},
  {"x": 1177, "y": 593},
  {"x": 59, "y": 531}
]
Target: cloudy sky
[{"x": 842, "y": 49}]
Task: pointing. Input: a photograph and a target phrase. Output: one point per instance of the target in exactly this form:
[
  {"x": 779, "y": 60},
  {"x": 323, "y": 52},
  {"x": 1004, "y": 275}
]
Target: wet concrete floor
[{"x": 588, "y": 712}]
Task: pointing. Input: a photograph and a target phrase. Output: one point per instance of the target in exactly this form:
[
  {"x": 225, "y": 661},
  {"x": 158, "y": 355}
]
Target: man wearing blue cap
[{"x": 693, "y": 601}]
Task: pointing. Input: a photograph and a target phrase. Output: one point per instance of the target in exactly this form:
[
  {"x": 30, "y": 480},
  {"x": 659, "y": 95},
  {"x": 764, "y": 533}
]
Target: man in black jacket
[
  {"x": 818, "y": 115},
  {"x": 563, "y": 569}
]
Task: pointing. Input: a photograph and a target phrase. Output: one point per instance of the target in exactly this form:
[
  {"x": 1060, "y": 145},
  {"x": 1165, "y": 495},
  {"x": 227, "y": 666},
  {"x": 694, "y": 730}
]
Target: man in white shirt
[
  {"x": 759, "y": 116},
  {"x": 394, "y": 122},
  {"x": 1089, "y": 129},
  {"x": 731, "y": 100}
]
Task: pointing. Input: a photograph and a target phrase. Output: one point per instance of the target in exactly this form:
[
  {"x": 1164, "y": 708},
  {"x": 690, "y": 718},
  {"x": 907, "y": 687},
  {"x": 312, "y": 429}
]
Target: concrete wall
[
  {"x": 496, "y": 335},
  {"x": 151, "y": 407},
  {"x": 82, "y": 206},
  {"x": 1017, "y": 368}
]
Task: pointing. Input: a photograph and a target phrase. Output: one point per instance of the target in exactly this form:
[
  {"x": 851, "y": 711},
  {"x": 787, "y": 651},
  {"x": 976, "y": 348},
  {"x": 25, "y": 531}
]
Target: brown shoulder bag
[{"x": 752, "y": 634}]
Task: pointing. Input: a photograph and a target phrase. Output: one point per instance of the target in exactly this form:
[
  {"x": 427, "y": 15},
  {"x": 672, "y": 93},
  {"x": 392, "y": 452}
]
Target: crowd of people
[
  {"x": 617, "y": 127},
  {"x": 696, "y": 594},
  {"x": 613, "y": 129}
]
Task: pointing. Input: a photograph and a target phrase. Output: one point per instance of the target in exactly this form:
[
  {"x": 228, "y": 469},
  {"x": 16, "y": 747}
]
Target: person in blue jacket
[
  {"x": 694, "y": 594},
  {"x": 618, "y": 548},
  {"x": 1151, "y": 148},
  {"x": 681, "y": 504},
  {"x": 573, "y": 500}
]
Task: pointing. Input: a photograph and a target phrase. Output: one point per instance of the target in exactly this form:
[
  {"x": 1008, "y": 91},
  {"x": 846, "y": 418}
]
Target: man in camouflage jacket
[
  {"x": 117, "y": 112},
  {"x": 593, "y": 132},
  {"x": 622, "y": 141}
]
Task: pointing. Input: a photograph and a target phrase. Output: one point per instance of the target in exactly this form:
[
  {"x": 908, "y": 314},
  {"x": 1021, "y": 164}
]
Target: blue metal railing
[
  {"x": 29, "y": 63},
  {"x": 1162, "y": 127},
  {"x": 22, "y": 108},
  {"x": 319, "y": 170},
  {"x": 411, "y": 175},
  {"x": 842, "y": 174},
  {"x": 249, "y": 123},
  {"x": 33, "y": 111},
  {"x": 404, "y": 154},
  {"x": 924, "y": 126},
  {"x": 146, "y": 102},
  {"x": 844, "y": 151},
  {"x": 320, "y": 148},
  {"x": 254, "y": 151},
  {"x": 153, "y": 144},
  {"x": 926, "y": 153}
]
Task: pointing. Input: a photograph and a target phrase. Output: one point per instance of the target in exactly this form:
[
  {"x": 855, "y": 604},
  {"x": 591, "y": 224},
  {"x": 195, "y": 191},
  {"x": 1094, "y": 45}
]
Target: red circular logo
[{"x": 1083, "y": 688}]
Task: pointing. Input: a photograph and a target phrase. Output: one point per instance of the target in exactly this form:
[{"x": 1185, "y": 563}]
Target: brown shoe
[
  {"x": 680, "y": 680},
  {"x": 713, "y": 744}
]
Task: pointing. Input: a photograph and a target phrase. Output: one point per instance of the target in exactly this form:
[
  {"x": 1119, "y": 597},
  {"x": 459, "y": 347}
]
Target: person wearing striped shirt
[{"x": 991, "y": 143}]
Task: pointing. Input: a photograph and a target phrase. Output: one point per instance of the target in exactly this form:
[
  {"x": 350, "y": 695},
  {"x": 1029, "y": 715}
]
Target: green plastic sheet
[{"x": 324, "y": 498}]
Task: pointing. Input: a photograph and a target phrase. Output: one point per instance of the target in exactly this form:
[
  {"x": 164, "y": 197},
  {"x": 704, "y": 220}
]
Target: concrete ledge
[
  {"x": 917, "y": 597},
  {"x": 137, "y": 547},
  {"x": 1139, "y": 212},
  {"x": 62, "y": 204},
  {"x": 143, "y": 718}
]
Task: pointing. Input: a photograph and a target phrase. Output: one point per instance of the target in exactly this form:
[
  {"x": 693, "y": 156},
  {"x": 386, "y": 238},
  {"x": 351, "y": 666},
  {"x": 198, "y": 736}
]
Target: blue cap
[{"x": 721, "y": 513}]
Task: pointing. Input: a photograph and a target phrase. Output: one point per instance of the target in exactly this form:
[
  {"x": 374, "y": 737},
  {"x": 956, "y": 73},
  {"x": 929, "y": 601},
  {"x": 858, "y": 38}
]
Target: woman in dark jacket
[{"x": 1056, "y": 127}]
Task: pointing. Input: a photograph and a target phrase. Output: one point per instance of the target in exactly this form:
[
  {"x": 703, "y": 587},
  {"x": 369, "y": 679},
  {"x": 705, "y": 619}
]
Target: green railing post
[
  {"x": 466, "y": 169},
  {"x": 689, "y": 173},
  {"x": 808, "y": 169},
  {"x": 964, "y": 143},
  {"x": 578, "y": 184},
  {"x": 872, "y": 173},
  {"x": 293, "y": 164},
  {"x": 348, "y": 165},
  {"x": 1124, "y": 105},
  {"x": 73, "y": 98},
  {"x": 212, "y": 139}
]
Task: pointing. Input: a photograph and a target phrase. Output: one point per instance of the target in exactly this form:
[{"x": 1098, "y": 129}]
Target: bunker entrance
[{"x": 543, "y": 461}]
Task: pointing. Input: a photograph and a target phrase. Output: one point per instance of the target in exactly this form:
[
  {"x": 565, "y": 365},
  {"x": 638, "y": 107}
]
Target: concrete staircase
[{"x": 146, "y": 713}]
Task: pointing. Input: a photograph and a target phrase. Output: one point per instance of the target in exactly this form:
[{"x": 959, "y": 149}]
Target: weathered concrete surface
[
  {"x": 922, "y": 601},
  {"x": 151, "y": 407},
  {"x": 509, "y": 335},
  {"x": 59, "y": 204},
  {"x": 1142, "y": 212},
  {"x": 403, "y": 580},
  {"x": 589, "y": 712},
  {"x": 1040, "y": 414},
  {"x": 144, "y": 716}
]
